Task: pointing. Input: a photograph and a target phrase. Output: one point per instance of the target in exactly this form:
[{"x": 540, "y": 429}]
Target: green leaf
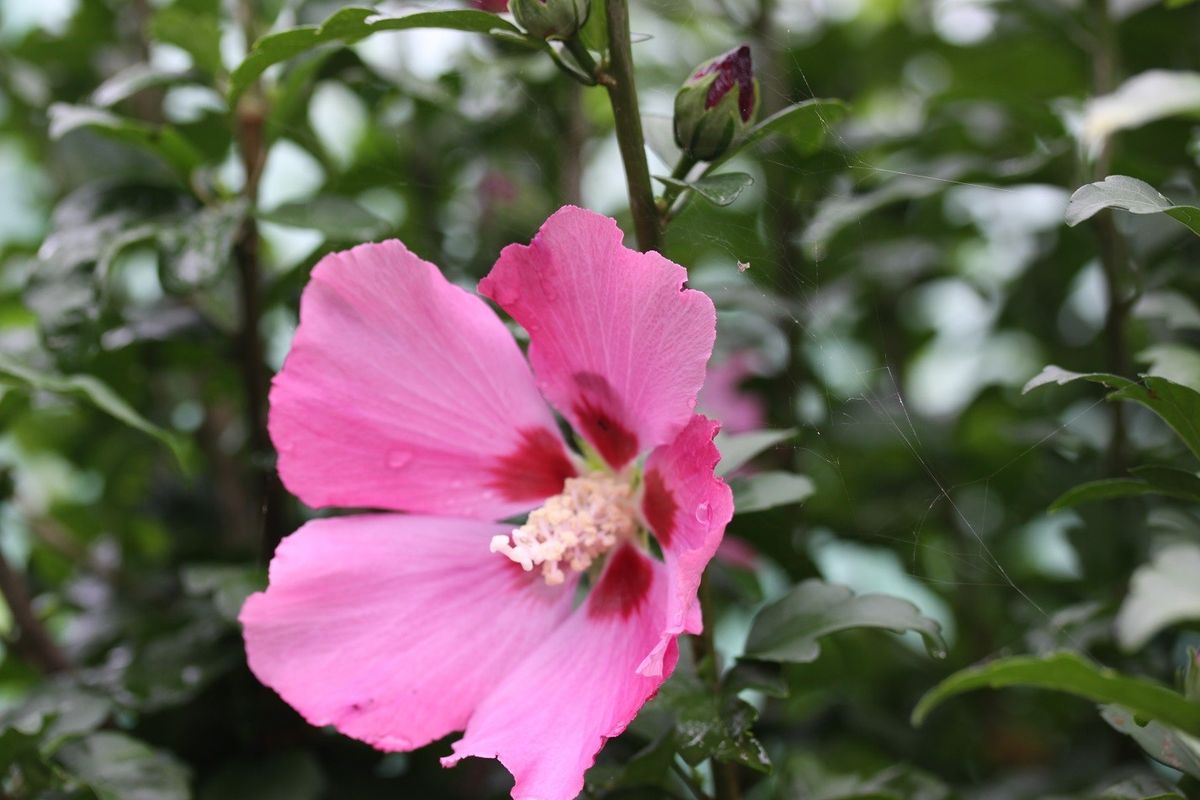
[
  {"x": 805, "y": 124},
  {"x": 197, "y": 33},
  {"x": 1176, "y": 405},
  {"x": 1130, "y": 194},
  {"x": 1141, "y": 787},
  {"x": 738, "y": 448},
  {"x": 711, "y": 725},
  {"x": 1166, "y": 481},
  {"x": 350, "y": 25},
  {"x": 133, "y": 79},
  {"x": 338, "y": 218},
  {"x": 57, "y": 711},
  {"x": 1162, "y": 593},
  {"x": 118, "y": 767},
  {"x": 228, "y": 585},
  {"x": 287, "y": 776},
  {"x": 720, "y": 190},
  {"x": 94, "y": 391},
  {"x": 1178, "y": 363},
  {"x": 594, "y": 33},
  {"x": 196, "y": 251},
  {"x": 789, "y": 629},
  {"x": 1073, "y": 674},
  {"x": 161, "y": 140},
  {"x": 1161, "y": 742},
  {"x": 769, "y": 489}
]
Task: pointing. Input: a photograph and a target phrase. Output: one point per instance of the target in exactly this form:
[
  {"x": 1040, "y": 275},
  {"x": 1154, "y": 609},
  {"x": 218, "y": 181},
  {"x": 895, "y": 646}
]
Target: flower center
[{"x": 592, "y": 514}]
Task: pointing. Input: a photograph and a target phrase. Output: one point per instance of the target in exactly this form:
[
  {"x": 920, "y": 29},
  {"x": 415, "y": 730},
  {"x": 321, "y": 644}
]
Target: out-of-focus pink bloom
[
  {"x": 495, "y": 6},
  {"x": 407, "y": 393},
  {"x": 724, "y": 398},
  {"x": 737, "y": 552}
]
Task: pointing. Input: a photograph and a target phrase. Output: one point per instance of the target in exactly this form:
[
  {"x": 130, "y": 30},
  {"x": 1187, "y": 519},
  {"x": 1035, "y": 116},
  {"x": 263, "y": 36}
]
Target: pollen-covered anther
[{"x": 573, "y": 528}]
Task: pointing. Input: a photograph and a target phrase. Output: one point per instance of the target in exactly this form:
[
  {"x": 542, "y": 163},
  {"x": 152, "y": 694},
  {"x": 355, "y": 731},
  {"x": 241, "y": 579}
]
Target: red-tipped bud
[{"x": 716, "y": 104}]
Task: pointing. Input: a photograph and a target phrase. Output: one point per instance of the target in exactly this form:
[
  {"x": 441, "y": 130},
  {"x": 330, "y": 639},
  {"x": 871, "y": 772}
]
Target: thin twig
[{"x": 33, "y": 642}]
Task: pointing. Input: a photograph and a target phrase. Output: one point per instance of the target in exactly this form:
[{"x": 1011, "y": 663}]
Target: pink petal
[
  {"x": 687, "y": 507},
  {"x": 617, "y": 344},
  {"x": 548, "y": 718},
  {"x": 403, "y": 391},
  {"x": 393, "y": 628}
]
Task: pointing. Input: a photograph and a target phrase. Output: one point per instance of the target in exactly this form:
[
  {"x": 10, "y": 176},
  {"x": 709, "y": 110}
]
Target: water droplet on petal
[
  {"x": 397, "y": 459},
  {"x": 702, "y": 513}
]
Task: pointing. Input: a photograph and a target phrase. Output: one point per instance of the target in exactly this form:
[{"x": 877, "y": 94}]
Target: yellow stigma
[{"x": 592, "y": 514}]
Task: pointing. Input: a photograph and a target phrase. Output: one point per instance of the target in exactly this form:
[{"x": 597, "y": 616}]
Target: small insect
[{"x": 743, "y": 266}]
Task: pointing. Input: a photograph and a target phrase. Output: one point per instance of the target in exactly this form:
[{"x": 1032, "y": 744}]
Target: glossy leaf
[
  {"x": 350, "y": 25},
  {"x": 1073, "y": 674},
  {"x": 1176, "y": 405},
  {"x": 738, "y": 448},
  {"x": 1129, "y": 194},
  {"x": 1166, "y": 481},
  {"x": 709, "y": 725},
  {"x": 161, "y": 140},
  {"x": 720, "y": 190},
  {"x": 338, "y": 218},
  {"x": 1162, "y": 593},
  {"x": 769, "y": 489},
  {"x": 790, "y": 628},
  {"x": 1161, "y": 742},
  {"x": 119, "y": 767},
  {"x": 91, "y": 389}
]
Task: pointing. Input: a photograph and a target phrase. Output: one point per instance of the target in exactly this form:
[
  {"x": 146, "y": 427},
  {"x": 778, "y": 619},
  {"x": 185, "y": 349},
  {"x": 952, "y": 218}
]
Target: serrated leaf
[
  {"x": 94, "y": 391},
  {"x": 119, "y": 767},
  {"x": 338, "y": 218},
  {"x": 161, "y": 140},
  {"x": 196, "y": 33},
  {"x": 720, "y": 190},
  {"x": 709, "y": 725},
  {"x": 738, "y": 448},
  {"x": 769, "y": 489},
  {"x": 789, "y": 629},
  {"x": 1073, "y": 674},
  {"x": 1161, "y": 742},
  {"x": 1162, "y": 593},
  {"x": 350, "y": 25},
  {"x": 1129, "y": 194},
  {"x": 1176, "y": 405},
  {"x": 197, "y": 249}
]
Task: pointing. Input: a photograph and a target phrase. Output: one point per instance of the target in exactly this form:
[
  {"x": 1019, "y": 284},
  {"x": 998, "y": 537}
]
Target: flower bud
[
  {"x": 550, "y": 19},
  {"x": 716, "y": 104}
]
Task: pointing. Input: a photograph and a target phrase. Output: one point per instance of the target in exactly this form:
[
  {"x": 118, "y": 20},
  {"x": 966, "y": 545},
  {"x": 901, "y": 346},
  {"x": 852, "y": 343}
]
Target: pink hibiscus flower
[{"x": 407, "y": 393}]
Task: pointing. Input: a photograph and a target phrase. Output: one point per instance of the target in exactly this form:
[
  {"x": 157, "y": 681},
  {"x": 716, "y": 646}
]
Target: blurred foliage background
[{"x": 887, "y": 284}]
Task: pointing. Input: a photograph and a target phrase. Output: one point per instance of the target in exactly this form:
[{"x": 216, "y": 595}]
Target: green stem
[
  {"x": 583, "y": 57},
  {"x": 690, "y": 781},
  {"x": 617, "y": 77},
  {"x": 704, "y": 650},
  {"x": 682, "y": 168},
  {"x": 1110, "y": 246}
]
